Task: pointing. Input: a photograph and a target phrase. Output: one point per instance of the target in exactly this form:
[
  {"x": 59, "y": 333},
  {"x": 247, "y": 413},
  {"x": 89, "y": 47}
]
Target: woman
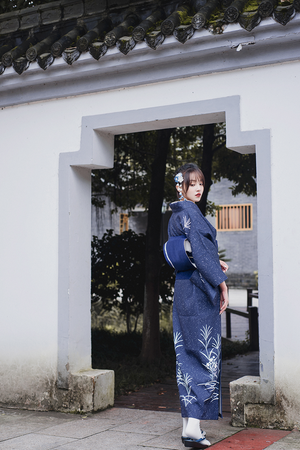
[{"x": 200, "y": 296}]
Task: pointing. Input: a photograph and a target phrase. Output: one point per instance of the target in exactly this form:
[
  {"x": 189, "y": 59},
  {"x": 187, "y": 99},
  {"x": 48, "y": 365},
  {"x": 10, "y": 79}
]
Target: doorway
[{"x": 96, "y": 151}]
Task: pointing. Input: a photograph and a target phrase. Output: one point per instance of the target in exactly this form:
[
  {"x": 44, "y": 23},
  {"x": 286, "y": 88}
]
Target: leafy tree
[
  {"x": 118, "y": 274},
  {"x": 143, "y": 174}
]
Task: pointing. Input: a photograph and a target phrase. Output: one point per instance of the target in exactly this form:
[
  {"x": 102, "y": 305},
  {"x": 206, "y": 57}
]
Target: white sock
[
  {"x": 184, "y": 424},
  {"x": 192, "y": 430}
]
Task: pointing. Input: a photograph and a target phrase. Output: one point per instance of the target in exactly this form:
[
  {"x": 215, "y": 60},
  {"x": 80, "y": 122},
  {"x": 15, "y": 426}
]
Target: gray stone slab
[
  {"x": 162, "y": 415},
  {"x": 289, "y": 442},
  {"x": 12, "y": 417},
  {"x": 126, "y": 414},
  {"x": 171, "y": 441},
  {"x": 12, "y": 430},
  {"x": 35, "y": 442},
  {"x": 142, "y": 447},
  {"x": 216, "y": 430},
  {"x": 52, "y": 420},
  {"x": 155, "y": 424},
  {"x": 6, "y": 414},
  {"x": 117, "y": 428},
  {"x": 108, "y": 439},
  {"x": 80, "y": 429}
]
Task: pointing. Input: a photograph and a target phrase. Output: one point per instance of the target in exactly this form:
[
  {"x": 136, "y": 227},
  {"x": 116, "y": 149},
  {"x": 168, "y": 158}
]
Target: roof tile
[
  {"x": 73, "y": 9},
  {"x": 95, "y": 6},
  {"x": 50, "y": 16},
  {"x": 9, "y": 26},
  {"x": 95, "y": 25}
]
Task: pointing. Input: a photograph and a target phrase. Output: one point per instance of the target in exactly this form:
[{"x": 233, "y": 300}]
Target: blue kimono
[{"x": 196, "y": 318}]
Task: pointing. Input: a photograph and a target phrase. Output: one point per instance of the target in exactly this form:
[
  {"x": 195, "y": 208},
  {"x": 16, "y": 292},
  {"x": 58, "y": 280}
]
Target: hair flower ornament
[{"x": 178, "y": 178}]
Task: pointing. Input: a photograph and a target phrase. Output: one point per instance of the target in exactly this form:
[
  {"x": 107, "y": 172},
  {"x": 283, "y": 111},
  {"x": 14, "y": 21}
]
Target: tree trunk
[
  {"x": 151, "y": 341},
  {"x": 128, "y": 318},
  {"x": 206, "y": 166}
]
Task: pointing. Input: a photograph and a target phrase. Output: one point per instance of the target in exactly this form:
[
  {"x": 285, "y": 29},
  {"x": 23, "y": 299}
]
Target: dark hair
[{"x": 187, "y": 170}]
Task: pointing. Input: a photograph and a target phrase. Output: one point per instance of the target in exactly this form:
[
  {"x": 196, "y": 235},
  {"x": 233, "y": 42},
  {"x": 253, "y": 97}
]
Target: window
[
  {"x": 234, "y": 217},
  {"x": 123, "y": 223}
]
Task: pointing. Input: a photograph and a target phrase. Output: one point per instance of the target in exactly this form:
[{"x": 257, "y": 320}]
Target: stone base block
[
  {"x": 243, "y": 391},
  {"x": 247, "y": 409},
  {"x": 89, "y": 390},
  {"x": 266, "y": 416}
]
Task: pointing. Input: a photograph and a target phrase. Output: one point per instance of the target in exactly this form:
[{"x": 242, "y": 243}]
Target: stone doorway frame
[{"x": 96, "y": 151}]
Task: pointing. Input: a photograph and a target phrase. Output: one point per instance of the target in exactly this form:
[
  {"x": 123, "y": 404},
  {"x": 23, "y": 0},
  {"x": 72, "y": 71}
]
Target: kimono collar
[{"x": 181, "y": 206}]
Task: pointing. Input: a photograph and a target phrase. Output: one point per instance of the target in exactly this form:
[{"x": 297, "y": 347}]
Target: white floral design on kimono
[
  {"x": 213, "y": 356},
  {"x": 183, "y": 379},
  {"x": 177, "y": 340},
  {"x": 186, "y": 223}
]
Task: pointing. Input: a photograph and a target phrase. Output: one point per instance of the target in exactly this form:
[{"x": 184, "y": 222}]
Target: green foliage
[
  {"x": 233, "y": 348},
  {"x": 222, "y": 255},
  {"x": 120, "y": 352},
  {"x": 118, "y": 274},
  {"x": 128, "y": 183},
  {"x": 211, "y": 208},
  {"x": 238, "y": 168}
]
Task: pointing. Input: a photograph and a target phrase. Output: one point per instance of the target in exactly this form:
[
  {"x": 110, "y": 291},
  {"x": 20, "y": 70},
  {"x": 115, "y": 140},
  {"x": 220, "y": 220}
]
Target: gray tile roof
[{"x": 67, "y": 28}]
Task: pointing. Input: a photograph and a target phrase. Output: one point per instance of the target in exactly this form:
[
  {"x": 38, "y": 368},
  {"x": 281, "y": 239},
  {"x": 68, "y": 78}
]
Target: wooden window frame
[
  {"x": 124, "y": 222},
  {"x": 241, "y": 220}
]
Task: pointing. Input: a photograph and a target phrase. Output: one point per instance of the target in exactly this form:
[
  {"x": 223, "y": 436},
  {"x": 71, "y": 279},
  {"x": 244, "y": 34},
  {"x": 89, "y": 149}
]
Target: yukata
[{"x": 196, "y": 316}]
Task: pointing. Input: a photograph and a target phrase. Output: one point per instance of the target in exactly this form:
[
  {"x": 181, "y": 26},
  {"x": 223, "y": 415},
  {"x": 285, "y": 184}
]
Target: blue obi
[{"x": 177, "y": 256}]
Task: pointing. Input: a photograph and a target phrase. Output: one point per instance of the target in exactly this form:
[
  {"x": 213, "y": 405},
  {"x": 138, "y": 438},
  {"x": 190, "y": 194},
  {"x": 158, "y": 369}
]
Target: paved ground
[
  {"x": 164, "y": 396},
  {"x": 148, "y": 419},
  {"x": 127, "y": 429}
]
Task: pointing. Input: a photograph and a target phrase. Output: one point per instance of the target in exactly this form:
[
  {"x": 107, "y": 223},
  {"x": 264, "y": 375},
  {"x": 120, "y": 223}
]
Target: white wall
[
  {"x": 29, "y": 176},
  {"x": 29, "y": 202}
]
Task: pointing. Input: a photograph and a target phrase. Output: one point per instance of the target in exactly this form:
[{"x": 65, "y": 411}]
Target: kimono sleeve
[{"x": 204, "y": 248}]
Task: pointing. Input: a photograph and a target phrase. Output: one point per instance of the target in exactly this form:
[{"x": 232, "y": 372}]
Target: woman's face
[{"x": 195, "y": 190}]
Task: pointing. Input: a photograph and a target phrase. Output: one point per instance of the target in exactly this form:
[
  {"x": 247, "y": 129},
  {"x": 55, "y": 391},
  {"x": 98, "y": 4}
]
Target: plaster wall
[
  {"x": 30, "y": 161},
  {"x": 29, "y": 236}
]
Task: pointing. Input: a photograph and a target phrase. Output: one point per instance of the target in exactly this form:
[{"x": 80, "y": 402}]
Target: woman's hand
[
  {"x": 223, "y": 297},
  {"x": 224, "y": 266}
]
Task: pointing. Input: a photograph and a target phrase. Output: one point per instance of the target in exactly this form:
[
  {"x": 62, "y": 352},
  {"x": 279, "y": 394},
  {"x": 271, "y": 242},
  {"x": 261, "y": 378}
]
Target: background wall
[
  {"x": 240, "y": 246},
  {"x": 33, "y": 135}
]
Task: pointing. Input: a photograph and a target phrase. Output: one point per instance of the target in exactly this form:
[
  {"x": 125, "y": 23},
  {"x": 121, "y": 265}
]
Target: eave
[{"x": 203, "y": 54}]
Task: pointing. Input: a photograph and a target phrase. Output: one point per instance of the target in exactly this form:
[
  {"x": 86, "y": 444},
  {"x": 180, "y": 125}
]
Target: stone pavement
[
  {"x": 148, "y": 419},
  {"x": 127, "y": 429},
  {"x": 164, "y": 396}
]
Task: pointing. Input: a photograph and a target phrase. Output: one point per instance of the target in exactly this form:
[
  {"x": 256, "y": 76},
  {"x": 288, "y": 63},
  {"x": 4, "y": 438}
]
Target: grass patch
[
  {"x": 233, "y": 348},
  {"x": 120, "y": 352}
]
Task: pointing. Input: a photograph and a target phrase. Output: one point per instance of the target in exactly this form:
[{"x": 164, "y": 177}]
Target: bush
[
  {"x": 120, "y": 352},
  {"x": 233, "y": 348}
]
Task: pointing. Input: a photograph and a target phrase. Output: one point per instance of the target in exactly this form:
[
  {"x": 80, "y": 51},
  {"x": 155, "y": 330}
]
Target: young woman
[{"x": 200, "y": 296}]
